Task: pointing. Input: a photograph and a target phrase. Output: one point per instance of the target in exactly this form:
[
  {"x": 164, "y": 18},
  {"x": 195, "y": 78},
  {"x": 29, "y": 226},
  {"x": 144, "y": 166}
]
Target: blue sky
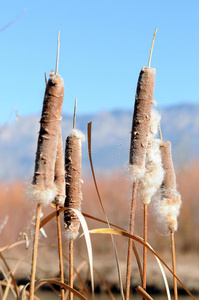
[{"x": 103, "y": 46}]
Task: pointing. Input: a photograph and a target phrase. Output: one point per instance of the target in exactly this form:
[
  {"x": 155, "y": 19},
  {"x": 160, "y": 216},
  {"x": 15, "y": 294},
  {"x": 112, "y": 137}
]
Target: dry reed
[
  {"x": 150, "y": 182},
  {"x": 138, "y": 146},
  {"x": 42, "y": 189},
  {"x": 73, "y": 156},
  {"x": 169, "y": 205},
  {"x": 73, "y": 182},
  {"x": 59, "y": 201},
  {"x": 140, "y": 124}
]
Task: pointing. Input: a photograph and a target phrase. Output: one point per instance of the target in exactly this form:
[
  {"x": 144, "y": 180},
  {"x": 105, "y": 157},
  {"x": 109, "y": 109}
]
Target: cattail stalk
[
  {"x": 140, "y": 124},
  {"x": 34, "y": 252},
  {"x": 170, "y": 203},
  {"x": 42, "y": 189},
  {"x": 59, "y": 179},
  {"x": 60, "y": 252},
  {"x": 144, "y": 248},
  {"x": 73, "y": 183},
  {"x": 73, "y": 193},
  {"x": 71, "y": 267},
  {"x": 175, "y": 288},
  {"x": 130, "y": 242},
  {"x": 59, "y": 201},
  {"x": 73, "y": 190},
  {"x": 149, "y": 183},
  {"x": 139, "y": 142}
]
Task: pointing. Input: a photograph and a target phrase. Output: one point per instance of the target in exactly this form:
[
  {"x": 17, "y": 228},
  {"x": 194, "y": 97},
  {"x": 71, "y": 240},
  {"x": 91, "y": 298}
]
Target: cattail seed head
[
  {"x": 170, "y": 202},
  {"x": 141, "y": 119},
  {"x": 169, "y": 210},
  {"x": 169, "y": 184},
  {"x": 60, "y": 173},
  {"x": 42, "y": 188},
  {"x": 151, "y": 181},
  {"x": 73, "y": 154}
]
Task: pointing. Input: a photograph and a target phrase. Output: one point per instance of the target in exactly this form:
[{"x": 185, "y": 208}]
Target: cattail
[
  {"x": 141, "y": 119},
  {"x": 60, "y": 173},
  {"x": 42, "y": 190},
  {"x": 59, "y": 201},
  {"x": 73, "y": 154},
  {"x": 169, "y": 205},
  {"x": 150, "y": 182},
  {"x": 138, "y": 146}
]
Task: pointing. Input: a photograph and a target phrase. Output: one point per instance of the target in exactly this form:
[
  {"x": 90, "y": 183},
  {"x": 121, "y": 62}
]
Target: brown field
[{"x": 115, "y": 192}]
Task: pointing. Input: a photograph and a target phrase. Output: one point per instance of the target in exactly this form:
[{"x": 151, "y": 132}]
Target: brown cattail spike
[
  {"x": 169, "y": 183},
  {"x": 73, "y": 182},
  {"x": 42, "y": 188},
  {"x": 60, "y": 172},
  {"x": 169, "y": 205},
  {"x": 141, "y": 119}
]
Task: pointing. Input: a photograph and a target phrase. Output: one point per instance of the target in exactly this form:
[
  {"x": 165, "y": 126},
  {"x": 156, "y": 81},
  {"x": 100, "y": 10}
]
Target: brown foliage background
[{"x": 115, "y": 192}]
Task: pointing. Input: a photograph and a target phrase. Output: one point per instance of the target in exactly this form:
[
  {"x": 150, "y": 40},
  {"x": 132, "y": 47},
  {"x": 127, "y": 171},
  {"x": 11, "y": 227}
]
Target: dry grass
[{"x": 115, "y": 193}]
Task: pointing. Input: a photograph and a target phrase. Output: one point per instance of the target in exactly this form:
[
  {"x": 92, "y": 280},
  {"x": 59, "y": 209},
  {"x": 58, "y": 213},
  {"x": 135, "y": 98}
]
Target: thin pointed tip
[
  {"x": 57, "y": 60},
  {"x": 74, "y": 116}
]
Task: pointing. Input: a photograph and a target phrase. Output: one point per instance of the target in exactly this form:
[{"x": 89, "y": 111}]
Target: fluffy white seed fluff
[
  {"x": 135, "y": 172},
  {"x": 43, "y": 197},
  {"x": 153, "y": 176},
  {"x": 61, "y": 200},
  {"x": 151, "y": 181},
  {"x": 153, "y": 125},
  {"x": 70, "y": 234},
  {"x": 168, "y": 211},
  {"x": 78, "y": 134}
]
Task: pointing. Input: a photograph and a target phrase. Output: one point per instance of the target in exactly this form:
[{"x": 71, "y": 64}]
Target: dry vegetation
[{"x": 115, "y": 192}]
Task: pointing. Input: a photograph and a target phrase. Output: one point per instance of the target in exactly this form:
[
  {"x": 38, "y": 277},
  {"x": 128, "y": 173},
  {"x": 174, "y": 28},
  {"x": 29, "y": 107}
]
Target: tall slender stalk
[
  {"x": 130, "y": 242},
  {"x": 169, "y": 205},
  {"x": 73, "y": 154},
  {"x": 139, "y": 142},
  {"x": 175, "y": 288},
  {"x": 61, "y": 268},
  {"x": 151, "y": 181},
  {"x": 59, "y": 201},
  {"x": 71, "y": 240},
  {"x": 34, "y": 253},
  {"x": 43, "y": 189},
  {"x": 71, "y": 268},
  {"x": 144, "y": 248}
]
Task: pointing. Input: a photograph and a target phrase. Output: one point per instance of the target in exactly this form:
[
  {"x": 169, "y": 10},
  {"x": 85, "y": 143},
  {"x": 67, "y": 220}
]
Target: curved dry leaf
[
  {"x": 63, "y": 285},
  {"x": 100, "y": 200},
  {"x": 139, "y": 240}
]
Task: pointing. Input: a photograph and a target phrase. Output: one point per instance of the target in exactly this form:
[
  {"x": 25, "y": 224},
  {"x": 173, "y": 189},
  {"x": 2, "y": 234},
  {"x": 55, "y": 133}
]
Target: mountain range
[{"x": 110, "y": 140}]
